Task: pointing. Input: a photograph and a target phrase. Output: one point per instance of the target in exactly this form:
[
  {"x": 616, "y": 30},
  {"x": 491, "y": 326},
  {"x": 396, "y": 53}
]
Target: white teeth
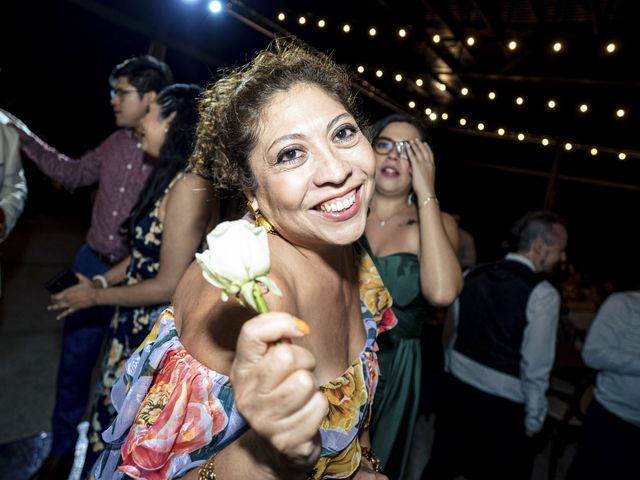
[{"x": 337, "y": 205}]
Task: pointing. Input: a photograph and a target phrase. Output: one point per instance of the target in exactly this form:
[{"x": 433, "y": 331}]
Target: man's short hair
[
  {"x": 535, "y": 225},
  {"x": 146, "y": 73}
]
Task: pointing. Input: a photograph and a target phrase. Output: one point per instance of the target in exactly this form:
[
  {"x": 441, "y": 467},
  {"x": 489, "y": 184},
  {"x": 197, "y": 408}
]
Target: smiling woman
[{"x": 217, "y": 394}]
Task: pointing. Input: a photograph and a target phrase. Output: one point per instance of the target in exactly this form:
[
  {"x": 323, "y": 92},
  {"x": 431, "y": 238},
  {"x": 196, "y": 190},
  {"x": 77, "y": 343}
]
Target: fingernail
[{"x": 303, "y": 326}]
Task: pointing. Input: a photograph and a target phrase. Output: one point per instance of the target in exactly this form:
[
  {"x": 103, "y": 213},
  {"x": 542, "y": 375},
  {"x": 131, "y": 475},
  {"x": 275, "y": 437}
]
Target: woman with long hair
[
  {"x": 166, "y": 228},
  {"x": 413, "y": 245}
]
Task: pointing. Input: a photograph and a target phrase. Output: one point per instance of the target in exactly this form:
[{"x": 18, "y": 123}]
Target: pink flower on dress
[{"x": 179, "y": 415}]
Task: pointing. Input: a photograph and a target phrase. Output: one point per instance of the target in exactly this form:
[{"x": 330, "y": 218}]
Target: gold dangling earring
[{"x": 261, "y": 221}]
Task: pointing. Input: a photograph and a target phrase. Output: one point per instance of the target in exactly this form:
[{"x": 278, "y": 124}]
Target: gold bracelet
[
  {"x": 428, "y": 199},
  {"x": 207, "y": 470},
  {"x": 369, "y": 455}
]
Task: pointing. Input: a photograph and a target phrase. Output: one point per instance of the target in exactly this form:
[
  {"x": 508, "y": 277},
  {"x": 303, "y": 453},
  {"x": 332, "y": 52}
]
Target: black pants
[
  {"x": 608, "y": 447},
  {"x": 478, "y": 435}
]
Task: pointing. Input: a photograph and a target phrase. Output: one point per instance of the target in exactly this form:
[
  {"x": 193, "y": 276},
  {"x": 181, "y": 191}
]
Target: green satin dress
[{"x": 395, "y": 407}]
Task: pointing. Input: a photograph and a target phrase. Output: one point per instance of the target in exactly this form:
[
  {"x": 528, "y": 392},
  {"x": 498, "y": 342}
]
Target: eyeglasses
[
  {"x": 384, "y": 145},
  {"x": 120, "y": 92}
]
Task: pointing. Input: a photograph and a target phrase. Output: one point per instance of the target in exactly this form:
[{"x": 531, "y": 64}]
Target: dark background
[{"x": 56, "y": 57}]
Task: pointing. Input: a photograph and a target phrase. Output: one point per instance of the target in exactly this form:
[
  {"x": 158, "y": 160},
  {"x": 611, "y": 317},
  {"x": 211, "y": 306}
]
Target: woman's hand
[
  {"x": 72, "y": 299},
  {"x": 366, "y": 472},
  {"x": 277, "y": 393},
  {"x": 423, "y": 169}
]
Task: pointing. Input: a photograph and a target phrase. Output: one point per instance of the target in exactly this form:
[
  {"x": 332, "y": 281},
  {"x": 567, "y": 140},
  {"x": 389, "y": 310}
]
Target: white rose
[{"x": 237, "y": 258}]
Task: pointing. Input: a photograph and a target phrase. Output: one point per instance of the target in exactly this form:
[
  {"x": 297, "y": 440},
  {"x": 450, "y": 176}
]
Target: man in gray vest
[{"x": 499, "y": 352}]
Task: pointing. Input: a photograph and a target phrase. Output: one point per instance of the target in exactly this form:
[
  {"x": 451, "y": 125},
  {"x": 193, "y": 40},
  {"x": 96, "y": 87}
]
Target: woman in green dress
[{"x": 413, "y": 245}]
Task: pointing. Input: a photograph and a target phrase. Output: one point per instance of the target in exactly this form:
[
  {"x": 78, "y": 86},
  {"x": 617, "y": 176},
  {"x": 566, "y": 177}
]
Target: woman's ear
[
  {"x": 149, "y": 97},
  {"x": 170, "y": 118},
  {"x": 251, "y": 198}
]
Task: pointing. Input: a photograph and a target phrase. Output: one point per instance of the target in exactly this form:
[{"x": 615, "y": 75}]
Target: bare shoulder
[
  {"x": 208, "y": 327},
  {"x": 190, "y": 184}
]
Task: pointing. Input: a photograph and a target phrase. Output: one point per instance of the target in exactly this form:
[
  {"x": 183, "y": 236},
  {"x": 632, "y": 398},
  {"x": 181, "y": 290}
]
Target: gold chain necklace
[{"x": 382, "y": 222}]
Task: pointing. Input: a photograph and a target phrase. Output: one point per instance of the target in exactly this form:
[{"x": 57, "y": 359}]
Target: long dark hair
[{"x": 181, "y": 99}]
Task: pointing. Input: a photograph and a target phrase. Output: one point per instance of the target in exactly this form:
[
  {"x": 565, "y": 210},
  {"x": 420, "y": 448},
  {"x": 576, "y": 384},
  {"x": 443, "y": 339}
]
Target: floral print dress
[
  {"x": 129, "y": 326},
  {"x": 174, "y": 412}
]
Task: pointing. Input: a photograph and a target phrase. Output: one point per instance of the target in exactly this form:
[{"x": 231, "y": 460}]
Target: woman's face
[
  {"x": 154, "y": 130},
  {"x": 393, "y": 170},
  {"x": 314, "y": 168}
]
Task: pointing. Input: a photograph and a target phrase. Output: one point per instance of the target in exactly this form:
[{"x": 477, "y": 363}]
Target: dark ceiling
[{"x": 56, "y": 61}]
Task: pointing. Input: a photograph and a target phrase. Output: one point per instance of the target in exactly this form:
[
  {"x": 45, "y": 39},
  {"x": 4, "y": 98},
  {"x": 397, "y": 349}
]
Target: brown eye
[
  {"x": 289, "y": 155},
  {"x": 346, "y": 133}
]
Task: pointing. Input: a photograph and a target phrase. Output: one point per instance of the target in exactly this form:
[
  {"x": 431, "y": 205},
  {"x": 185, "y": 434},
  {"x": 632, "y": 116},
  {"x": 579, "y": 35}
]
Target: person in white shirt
[
  {"x": 610, "y": 440},
  {"x": 499, "y": 352},
  {"x": 13, "y": 185}
]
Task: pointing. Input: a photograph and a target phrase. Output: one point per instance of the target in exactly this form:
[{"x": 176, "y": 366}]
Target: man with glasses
[{"x": 120, "y": 169}]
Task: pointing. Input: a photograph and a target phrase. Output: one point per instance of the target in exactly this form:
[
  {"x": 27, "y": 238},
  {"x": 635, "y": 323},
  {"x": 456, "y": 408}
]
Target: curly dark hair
[{"x": 231, "y": 108}]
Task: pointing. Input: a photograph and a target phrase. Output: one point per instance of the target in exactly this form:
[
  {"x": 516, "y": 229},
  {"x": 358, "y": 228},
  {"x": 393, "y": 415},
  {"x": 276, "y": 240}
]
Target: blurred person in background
[
  {"x": 120, "y": 169},
  {"x": 166, "y": 228}
]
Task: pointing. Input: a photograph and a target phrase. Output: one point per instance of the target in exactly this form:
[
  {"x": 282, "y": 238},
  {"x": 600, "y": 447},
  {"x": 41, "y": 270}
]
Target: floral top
[{"x": 174, "y": 412}]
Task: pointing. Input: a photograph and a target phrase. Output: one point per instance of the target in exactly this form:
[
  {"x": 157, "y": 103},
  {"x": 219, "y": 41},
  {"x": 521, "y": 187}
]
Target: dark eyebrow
[{"x": 296, "y": 136}]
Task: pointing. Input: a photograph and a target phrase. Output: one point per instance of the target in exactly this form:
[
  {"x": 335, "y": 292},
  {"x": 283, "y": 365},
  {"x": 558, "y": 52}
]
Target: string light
[
  {"x": 321, "y": 23},
  {"x": 433, "y": 116},
  {"x": 444, "y": 116},
  {"x": 281, "y": 16},
  {"x": 551, "y": 104},
  {"x": 568, "y": 146},
  {"x": 557, "y": 47},
  {"x": 620, "y": 113},
  {"x": 464, "y": 91},
  {"x": 360, "y": 69},
  {"x": 519, "y": 101},
  {"x": 611, "y": 47},
  {"x": 419, "y": 82},
  {"x": 471, "y": 41},
  {"x": 402, "y": 33},
  {"x": 492, "y": 95},
  {"x": 427, "y": 111},
  {"x": 412, "y": 104},
  {"x": 346, "y": 28},
  {"x": 584, "y": 107},
  {"x": 302, "y": 20},
  {"x": 379, "y": 73},
  {"x": 372, "y": 32},
  {"x": 512, "y": 45},
  {"x": 436, "y": 38},
  {"x": 442, "y": 87},
  {"x": 398, "y": 77}
]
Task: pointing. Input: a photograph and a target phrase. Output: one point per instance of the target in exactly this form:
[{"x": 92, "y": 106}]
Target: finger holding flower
[{"x": 263, "y": 376}]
